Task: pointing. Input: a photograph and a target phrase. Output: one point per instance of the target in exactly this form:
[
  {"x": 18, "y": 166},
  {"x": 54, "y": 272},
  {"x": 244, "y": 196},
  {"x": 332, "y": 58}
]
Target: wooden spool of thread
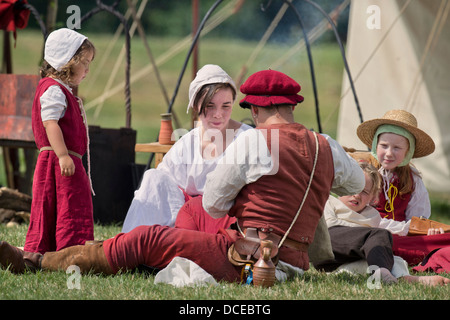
[
  {"x": 166, "y": 129},
  {"x": 264, "y": 269}
]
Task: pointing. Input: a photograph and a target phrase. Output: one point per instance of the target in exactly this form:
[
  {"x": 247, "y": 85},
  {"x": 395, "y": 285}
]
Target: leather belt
[
  {"x": 69, "y": 151},
  {"x": 258, "y": 234}
]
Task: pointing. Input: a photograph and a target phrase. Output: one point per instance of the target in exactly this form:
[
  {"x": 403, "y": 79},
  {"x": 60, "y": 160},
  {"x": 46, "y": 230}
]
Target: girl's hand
[
  {"x": 56, "y": 139},
  {"x": 67, "y": 166}
]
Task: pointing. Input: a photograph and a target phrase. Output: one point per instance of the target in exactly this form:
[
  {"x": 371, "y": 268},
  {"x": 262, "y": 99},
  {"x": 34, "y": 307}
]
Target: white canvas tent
[{"x": 401, "y": 61}]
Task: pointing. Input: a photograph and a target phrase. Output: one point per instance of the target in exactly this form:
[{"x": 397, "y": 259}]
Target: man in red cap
[
  {"x": 275, "y": 185},
  {"x": 283, "y": 197}
]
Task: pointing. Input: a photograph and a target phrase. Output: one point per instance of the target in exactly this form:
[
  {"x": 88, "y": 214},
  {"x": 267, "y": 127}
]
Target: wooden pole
[
  {"x": 52, "y": 10},
  {"x": 10, "y": 156},
  {"x": 195, "y": 16},
  {"x": 7, "y": 59}
]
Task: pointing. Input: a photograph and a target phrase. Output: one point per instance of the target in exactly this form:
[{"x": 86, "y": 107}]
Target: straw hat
[{"x": 424, "y": 143}]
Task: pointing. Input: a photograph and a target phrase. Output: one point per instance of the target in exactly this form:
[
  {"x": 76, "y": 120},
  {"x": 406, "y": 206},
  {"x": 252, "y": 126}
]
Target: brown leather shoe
[
  {"x": 11, "y": 257},
  {"x": 32, "y": 260},
  {"x": 89, "y": 258}
]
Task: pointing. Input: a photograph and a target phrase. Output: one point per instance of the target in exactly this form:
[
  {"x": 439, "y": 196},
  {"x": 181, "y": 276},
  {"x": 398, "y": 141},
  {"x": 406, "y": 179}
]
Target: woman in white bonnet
[{"x": 182, "y": 173}]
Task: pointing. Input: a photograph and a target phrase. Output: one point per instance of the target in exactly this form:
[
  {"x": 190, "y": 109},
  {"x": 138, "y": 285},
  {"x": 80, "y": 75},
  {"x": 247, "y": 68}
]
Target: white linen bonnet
[
  {"x": 61, "y": 45},
  {"x": 208, "y": 74}
]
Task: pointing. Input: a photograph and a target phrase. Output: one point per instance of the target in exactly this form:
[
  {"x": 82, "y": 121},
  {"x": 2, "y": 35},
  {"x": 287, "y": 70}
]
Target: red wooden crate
[{"x": 16, "y": 101}]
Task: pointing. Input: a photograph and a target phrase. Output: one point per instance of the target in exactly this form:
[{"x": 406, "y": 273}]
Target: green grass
[
  {"x": 313, "y": 285},
  {"x": 135, "y": 286}
]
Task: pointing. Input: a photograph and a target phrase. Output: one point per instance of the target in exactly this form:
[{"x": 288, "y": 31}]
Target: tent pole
[{"x": 195, "y": 14}]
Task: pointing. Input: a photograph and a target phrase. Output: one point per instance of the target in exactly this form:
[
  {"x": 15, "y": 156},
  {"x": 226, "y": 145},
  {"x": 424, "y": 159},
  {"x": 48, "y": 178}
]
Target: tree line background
[{"x": 174, "y": 18}]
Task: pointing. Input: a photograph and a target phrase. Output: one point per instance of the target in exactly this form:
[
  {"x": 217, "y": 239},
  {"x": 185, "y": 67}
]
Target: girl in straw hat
[
  {"x": 61, "y": 210},
  {"x": 394, "y": 140}
]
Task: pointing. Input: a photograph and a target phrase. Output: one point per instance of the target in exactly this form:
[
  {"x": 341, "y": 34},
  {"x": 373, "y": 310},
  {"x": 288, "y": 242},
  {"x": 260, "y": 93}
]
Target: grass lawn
[
  {"x": 313, "y": 285},
  {"x": 147, "y": 103}
]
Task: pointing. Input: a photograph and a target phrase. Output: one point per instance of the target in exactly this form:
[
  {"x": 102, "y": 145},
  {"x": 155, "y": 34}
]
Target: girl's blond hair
[
  {"x": 374, "y": 175},
  {"x": 66, "y": 73}
]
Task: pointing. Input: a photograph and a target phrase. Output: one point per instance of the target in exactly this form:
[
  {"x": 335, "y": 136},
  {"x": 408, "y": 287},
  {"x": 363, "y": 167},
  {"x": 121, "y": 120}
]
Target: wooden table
[{"x": 154, "y": 147}]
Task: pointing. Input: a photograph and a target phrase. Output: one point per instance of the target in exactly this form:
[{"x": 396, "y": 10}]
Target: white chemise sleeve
[
  {"x": 53, "y": 103},
  {"x": 419, "y": 204}
]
